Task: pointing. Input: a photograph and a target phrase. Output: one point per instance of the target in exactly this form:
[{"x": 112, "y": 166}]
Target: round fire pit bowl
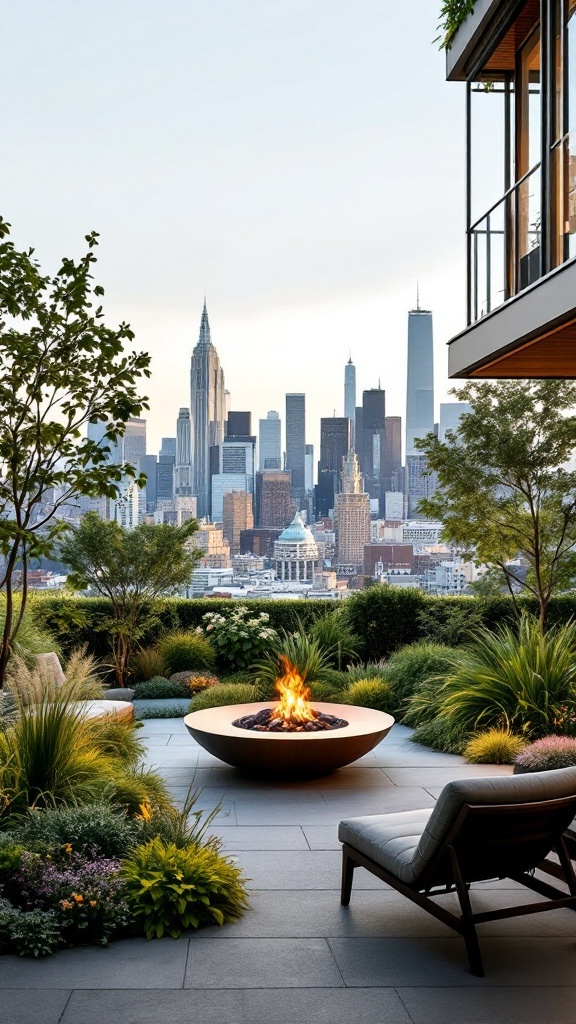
[{"x": 291, "y": 754}]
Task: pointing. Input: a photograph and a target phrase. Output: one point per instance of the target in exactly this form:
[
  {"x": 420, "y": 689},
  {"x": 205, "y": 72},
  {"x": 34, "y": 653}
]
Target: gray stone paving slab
[
  {"x": 261, "y": 963},
  {"x": 255, "y": 837},
  {"x": 156, "y": 1006},
  {"x": 20, "y": 1006},
  {"x": 490, "y": 1006},
  {"x": 300, "y": 870},
  {"x": 431, "y": 776},
  {"x": 322, "y": 837},
  {"x": 325, "y": 1006},
  {"x": 441, "y": 962},
  {"x": 131, "y": 963}
]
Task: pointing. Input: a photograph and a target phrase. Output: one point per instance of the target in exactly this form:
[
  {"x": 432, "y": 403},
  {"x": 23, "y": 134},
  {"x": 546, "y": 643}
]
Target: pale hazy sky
[{"x": 299, "y": 161}]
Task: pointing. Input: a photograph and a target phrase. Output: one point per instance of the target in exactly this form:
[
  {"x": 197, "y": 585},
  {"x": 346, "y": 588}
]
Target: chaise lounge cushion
[{"x": 403, "y": 843}]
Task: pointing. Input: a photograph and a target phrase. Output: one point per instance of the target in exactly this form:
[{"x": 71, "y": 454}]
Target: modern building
[
  {"x": 420, "y": 378},
  {"x": 269, "y": 442},
  {"x": 393, "y": 477},
  {"x": 519, "y": 64},
  {"x": 236, "y": 468},
  {"x": 168, "y": 446},
  {"x": 215, "y": 549},
  {"x": 183, "y": 483},
  {"x": 296, "y": 553},
  {"x": 258, "y": 542},
  {"x": 238, "y": 424},
  {"x": 222, "y": 484},
  {"x": 334, "y": 445},
  {"x": 450, "y": 414},
  {"x": 133, "y": 443},
  {"x": 394, "y": 505},
  {"x": 382, "y": 558},
  {"x": 237, "y": 515},
  {"x": 309, "y": 469},
  {"x": 371, "y": 443},
  {"x": 296, "y": 444},
  {"x": 350, "y": 396},
  {"x": 149, "y": 466},
  {"x": 274, "y": 504},
  {"x": 165, "y": 477},
  {"x": 208, "y": 406},
  {"x": 351, "y": 519}
]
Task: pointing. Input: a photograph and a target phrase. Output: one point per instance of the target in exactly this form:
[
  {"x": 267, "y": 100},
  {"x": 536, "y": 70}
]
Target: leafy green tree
[
  {"x": 505, "y": 485},
  {"x": 61, "y": 368},
  {"x": 131, "y": 568}
]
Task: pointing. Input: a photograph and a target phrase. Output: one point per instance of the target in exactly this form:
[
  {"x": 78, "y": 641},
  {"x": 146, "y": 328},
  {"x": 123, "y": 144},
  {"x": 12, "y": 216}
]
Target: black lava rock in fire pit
[{"x": 264, "y": 722}]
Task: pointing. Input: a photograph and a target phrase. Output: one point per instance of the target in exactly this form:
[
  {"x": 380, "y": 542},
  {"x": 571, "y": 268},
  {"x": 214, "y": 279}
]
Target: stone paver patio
[{"x": 297, "y": 955}]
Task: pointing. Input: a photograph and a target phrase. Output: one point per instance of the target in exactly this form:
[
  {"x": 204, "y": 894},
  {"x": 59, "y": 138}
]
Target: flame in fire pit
[{"x": 294, "y": 696}]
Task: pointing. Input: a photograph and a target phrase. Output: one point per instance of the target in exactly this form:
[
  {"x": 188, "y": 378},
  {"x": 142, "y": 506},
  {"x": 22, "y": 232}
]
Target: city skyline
[{"x": 289, "y": 191}]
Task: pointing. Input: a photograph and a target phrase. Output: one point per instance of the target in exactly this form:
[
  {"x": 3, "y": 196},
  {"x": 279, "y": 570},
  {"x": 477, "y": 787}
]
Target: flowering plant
[
  {"x": 85, "y": 896},
  {"x": 239, "y": 637}
]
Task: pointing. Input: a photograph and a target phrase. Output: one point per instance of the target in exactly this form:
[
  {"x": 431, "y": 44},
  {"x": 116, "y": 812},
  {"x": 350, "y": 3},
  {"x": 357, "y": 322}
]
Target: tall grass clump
[
  {"x": 411, "y": 667},
  {"x": 336, "y": 639},
  {"x": 518, "y": 677},
  {"x": 183, "y": 651},
  {"x": 494, "y": 746},
  {"x": 307, "y": 656}
]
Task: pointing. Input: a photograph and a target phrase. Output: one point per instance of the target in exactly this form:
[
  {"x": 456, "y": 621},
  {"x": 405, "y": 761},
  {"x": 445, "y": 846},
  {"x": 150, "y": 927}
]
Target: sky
[{"x": 298, "y": 162}]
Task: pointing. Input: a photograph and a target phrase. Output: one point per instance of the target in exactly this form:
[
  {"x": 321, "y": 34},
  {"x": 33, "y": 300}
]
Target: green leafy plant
[
  {"x": 547, "y": 753},
  {"x": 520, "y": 678},
  {"x": 147, "y": 664},
  {"x": 171, "y": 890},
  {"x": 186, "y": 651},
  {"x": 453, "y": 620},
  {"x": 224, "y": 694},
  {"x": 369, "y": 693},
  {"x": 184, "y": 826},
  {"x": 410, "y": 667},
  {"x": 494, "y": 746},
  {"x": 239, "y": 637},
  {"x": 158, "y": 688},
  {"x": 452, "y": 14},
  {"x": 95, "y": 829},
  {"x": 159, "y": 710},
  {"x": 137, "y": 788},
  {"x": 27, "y": 933},
  {"x": 441, "y": 734},
  {"x": 336, "y": 639},
  {"x": 117, "y": 739},
  {"x": 300, "y": 650}
]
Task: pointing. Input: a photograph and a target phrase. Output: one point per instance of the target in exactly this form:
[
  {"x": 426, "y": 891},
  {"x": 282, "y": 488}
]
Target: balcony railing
[{"x": 504, "y": 253}]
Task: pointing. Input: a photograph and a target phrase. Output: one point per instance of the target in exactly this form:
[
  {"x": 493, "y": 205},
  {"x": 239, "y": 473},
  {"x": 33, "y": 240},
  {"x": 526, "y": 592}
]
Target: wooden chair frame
[{"x": 486, "y": 841}]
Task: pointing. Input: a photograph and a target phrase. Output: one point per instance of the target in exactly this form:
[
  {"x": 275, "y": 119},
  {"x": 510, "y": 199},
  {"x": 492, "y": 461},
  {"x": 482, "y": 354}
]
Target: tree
[
  {"x": 131, "y": 568},
  {"x": 60, "y": 369},
  {"x": 505, "y": 487}
]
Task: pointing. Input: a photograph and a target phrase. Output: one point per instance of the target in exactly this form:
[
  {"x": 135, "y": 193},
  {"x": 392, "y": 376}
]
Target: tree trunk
[{"x": 5, "y": 643}]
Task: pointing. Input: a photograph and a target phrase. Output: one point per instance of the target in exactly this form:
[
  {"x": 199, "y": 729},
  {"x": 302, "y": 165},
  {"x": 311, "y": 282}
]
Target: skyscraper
[
  {"x": 350, "y": 396},
  {"x": 450, "y": 413},
  {"x": 237, "y": 515},
  {"x": 334, "y": 445},
  {"x": 296, "y": 444},
  {"x": 419, "y": 403},
  {"x": 372, "y": 443},
  {"x": 274, "y": 505},
  {"x": 208, "y": 406},
  {"x": 351, "y": 518},
  {"x": 269, "y": 443},
  {"x": 183, "y": 466},
  {"x": 420, "y": 379},
  {"x": 133, "y": 443},
  {"x": 392, "y": 469}
]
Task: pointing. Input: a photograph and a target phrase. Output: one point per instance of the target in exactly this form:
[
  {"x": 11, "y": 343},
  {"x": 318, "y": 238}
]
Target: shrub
[
  {"x": 324, "y": 693},
  {"x": 186, "y": 651},
  {"x": 373, "y": 670},
  {"x": 414, "y": 665},
  {"x": 85, "y": 896},
  {"x": 452, "y": 621},
  {"x": 159, "y": 710},
  {"x": 140, "y": 788},
  {"x": 302, "y": 652},
  {"x": 517, "y": 677},
  {"x": 182, "y": 826},
  {"x": 337, "y": 681},
  {"x": 193, "y": 682},
  {"x": 28, "y": 933},
  {"x": 424, "y": 705},
  {"x": 117, "y": 739},
  {"x": 336, "y": 639},
  {"x": 171, "y": 890},
  {"x": 31, "y": 638},
  {"x": 239, "y": 637},
  {"x": 383, "y": 618},
  {"x": 440, "y": 734},
  {"x": 547, "y": 753},
  {"x": 223, "y": 694},
  {"x": 159, "y": 688},
  {"x": 147, "y": 664},
  {"x": 495, "y": 746},
  {"x": 95, "y": 830},
  {"x": 368, "y": 693}
]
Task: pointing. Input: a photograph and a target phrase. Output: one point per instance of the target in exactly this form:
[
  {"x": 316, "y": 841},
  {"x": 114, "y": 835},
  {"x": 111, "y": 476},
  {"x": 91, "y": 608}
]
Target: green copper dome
[{"x": 297, "y": 532}]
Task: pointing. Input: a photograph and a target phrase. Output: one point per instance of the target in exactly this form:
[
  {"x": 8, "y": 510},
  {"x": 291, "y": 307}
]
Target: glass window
[{"x": 528, "y": 144}]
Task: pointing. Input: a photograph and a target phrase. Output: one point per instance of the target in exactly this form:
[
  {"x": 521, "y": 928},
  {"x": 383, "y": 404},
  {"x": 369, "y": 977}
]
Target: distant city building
[
  {"x": 208, "y": 405},
  {"x": 168, "y": 446},
  {"x": 133, "y": 443},
  {"x": 237, "y": 515},
  {"x": 269, "y": 442},
  {"x": 350, "y": 396},
  {"x": 383, "y": 558},
  {"x": 274, "y": 504},
  {"x": 148, "y": 466},
  {"x": 351, "y": 518},
  {"x": 222, "y": 484},
  {"x": 420, "y": 378},
  {"x": 165, "y": 478},
  {"x": 215, "y": 549},
  {"x": 420, "y": 483},
  {"x": 296, "y": 444},
  {"x": 309, "y": 469},
  {"x": 392, "y": 469},
  {"x": 258, "y": 542},
  {"x": 183, "y": 465},
  {"x": 238, "y": 424},
  {"x": 296, "y": 553},
  {"x": 372, "y": 441},
  {"x": 450, "y": 414},
  {"x": 394, "y": 505}
]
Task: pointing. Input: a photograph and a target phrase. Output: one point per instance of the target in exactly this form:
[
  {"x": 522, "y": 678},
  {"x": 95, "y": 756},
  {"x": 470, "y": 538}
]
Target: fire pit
[{"x": 292, "y": 737}]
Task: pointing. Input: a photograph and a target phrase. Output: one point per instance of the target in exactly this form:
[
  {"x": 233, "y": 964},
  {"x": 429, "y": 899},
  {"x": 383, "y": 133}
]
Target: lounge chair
[{"x": 480, "y": 829}]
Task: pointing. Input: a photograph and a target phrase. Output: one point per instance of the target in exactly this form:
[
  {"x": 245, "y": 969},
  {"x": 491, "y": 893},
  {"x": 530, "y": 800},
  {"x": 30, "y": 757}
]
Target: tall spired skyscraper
[
  {"x": 183, "y": 467},
  {"x": 208, "y": 407},
  {"x": 350, "y": 396}
]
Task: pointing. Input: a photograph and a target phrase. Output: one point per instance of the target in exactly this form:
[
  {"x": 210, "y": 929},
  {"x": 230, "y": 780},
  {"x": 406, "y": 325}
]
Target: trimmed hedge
[{"x": 382, "y": 617}]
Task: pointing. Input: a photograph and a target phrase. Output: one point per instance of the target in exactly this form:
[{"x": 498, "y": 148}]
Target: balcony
[{"x": 518, "y": 59}]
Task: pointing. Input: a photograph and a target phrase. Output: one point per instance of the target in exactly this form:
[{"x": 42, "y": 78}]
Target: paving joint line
[{"x": 65, "y": 1007}]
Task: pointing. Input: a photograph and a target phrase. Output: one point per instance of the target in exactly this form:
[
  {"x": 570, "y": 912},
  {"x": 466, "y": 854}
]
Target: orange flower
[
  {"x": 76, "y": 896},
  {"x": 145, "y": 812},
  {"x": 66, "y": 905},
  {"x": 93, "y": 903},
  {"x": 67, "y": 848}
]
